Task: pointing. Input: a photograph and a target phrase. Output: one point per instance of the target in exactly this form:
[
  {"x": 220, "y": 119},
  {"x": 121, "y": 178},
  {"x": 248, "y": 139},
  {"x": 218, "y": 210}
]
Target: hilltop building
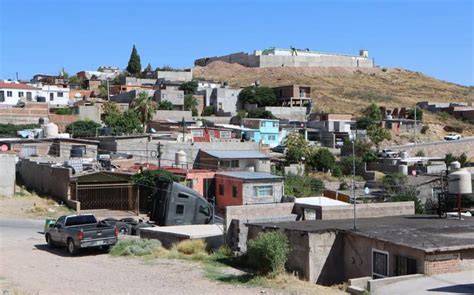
[{"x": 282, "y": 57}]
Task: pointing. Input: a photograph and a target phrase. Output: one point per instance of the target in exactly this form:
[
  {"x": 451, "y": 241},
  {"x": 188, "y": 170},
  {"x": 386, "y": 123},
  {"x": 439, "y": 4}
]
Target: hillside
[{"x": 349, "y": 90}]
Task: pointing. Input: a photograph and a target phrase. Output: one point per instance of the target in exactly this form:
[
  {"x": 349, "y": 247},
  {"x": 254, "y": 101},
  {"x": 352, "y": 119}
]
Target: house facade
[
  {"x": 13, "y": 92},
  {"x": 233, "y": 160},
  {"x": 293, "y": 95},
  {"x": 246, "y": 188},
  {"x": 210, "y": 134},
  {"x": 265, "y": 131}
]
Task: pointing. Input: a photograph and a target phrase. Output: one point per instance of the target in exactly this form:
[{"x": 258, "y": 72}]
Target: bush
[
  {"x": 85, "y": 128},
  {"x": 424, "y": 129},
  {"x": 420, "y": 153},
  {"x": 260, "y": 114},
  {"x": 268, "y": 252},
  {"x": 135, "y": 247},
  {"x": 337, "y": 172},
  {"x": 208, "y": 111},
  {"x": 11, "y": 129},
  {"x": 165, "y": 105},
  {"x": 322, "y": 160},
  {"x": 63, "y": 111},
  {"x": 191, "y": 247},
  {"x": 302, "y": 186}
]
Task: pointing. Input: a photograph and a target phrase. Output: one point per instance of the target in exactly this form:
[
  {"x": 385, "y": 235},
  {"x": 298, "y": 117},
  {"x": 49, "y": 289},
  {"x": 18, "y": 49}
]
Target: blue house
[{"x": 263, "y": 130}]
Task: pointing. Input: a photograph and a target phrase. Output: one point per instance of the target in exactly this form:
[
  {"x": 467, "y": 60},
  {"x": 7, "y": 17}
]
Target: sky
[{"x": 43, "y": 36}]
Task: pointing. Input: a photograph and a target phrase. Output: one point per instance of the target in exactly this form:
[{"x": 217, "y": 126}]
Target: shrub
[
  {"x": 424, "y": 129},
  {"x": 191, "y": 247},
  {"x": 420, "y": 153},
  {"x": 302, "y": 186},
  {"x": 268, "y": 252},
  {"x": 63, "y": 111},
  {"x": 84, "y": 128},
  {"x": 135, "y": 247},
  {"x": 337, "y": 172},
  {"x": 11, "y": 129},
  {"x": 322, "y": 160},
  {"x": 165, "y": 105},
  {"x": 444, "y": 115},
  {"x": 208, "y": 111}
]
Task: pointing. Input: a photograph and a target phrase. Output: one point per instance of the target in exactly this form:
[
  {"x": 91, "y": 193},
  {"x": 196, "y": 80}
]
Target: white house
[
  {"x": 11, "y": 92},
  {"x": 56, "y": 94}
]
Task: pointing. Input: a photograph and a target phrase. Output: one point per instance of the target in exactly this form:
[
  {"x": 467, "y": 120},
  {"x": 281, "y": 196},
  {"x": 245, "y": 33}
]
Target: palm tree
[{"x": 145, "y": 107}]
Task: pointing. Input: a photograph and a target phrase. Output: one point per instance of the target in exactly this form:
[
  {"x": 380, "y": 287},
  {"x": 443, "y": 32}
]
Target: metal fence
[{"x": 120, "y": 196}]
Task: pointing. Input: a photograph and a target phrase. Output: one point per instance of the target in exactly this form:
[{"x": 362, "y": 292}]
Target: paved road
[
  {"x": 425, "y": 144},
  {"x": 450, "y": 283}
]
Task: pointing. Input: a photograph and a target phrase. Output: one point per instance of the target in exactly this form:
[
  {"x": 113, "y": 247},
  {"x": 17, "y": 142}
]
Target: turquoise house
[{"x": 262, "y": 130}]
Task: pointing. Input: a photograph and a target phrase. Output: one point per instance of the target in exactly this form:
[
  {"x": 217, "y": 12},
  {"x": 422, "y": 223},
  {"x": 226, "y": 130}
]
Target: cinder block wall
[{"x": 7, "y": 175}]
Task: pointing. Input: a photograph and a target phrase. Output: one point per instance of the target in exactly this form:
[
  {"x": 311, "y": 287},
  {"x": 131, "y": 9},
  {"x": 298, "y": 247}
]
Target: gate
[{"x": 113, "y": 196}]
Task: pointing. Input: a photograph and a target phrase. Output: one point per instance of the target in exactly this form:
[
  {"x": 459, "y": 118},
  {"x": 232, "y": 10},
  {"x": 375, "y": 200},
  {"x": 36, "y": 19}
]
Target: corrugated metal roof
[
  {"x": 249, "y": 175},
  {"x": 237, "y": 154}
]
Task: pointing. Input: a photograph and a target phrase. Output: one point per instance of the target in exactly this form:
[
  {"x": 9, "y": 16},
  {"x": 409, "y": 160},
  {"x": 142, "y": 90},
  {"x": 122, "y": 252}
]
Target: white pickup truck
[{"x": 388, "y": 153}]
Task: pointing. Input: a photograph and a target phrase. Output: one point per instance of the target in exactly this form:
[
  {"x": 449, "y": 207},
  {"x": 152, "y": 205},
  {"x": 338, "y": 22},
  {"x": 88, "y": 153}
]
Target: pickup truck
[
  {"x": 388, "y": 153},
  {"x": 80, "y": 231}
]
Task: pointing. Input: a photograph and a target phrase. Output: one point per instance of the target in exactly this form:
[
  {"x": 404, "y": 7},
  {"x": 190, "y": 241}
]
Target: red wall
[{"x": 227, "y": 199}]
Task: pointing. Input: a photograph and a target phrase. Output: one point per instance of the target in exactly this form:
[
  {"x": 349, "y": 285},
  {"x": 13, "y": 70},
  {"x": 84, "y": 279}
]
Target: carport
[{"x": 105, "y": 190}]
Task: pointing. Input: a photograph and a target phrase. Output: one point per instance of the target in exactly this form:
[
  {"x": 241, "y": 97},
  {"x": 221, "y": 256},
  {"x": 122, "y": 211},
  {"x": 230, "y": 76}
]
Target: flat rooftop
[{"x": 423, "y": 232}]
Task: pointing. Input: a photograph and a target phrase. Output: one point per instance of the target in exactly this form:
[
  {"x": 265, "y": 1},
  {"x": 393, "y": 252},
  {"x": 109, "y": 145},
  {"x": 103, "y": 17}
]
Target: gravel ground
[{"x": 28, "y": 266}]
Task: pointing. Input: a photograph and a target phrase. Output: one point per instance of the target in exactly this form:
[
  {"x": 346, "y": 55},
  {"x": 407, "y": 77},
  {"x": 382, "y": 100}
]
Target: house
[
  {"x": 233, "y": 160},
  {"x": 247, "y": 187},
  {"x": 128, "y": 97},
  {"x": 329, "y": 252},
  {"x": 169, "y": 91},
  {"x": 266, "y": 131},
  {"x": 49, "y": 79},
  {"x": 200, "y": 180},
  {"x": 293, "y": 95},
  {"x": 398, "y": 125},
  {"x": 223, "y": 98},
  {"x": 105, "y": 73},
  {"x": 12, "y": 92},
  {"x": 55, "y": 94},
  {"x": 210, "y": 134}
]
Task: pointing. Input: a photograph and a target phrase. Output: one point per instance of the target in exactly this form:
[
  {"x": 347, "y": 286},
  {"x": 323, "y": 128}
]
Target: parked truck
[
  {"x": 80, "y": 231},
  {"x": 177, "y": 204}
]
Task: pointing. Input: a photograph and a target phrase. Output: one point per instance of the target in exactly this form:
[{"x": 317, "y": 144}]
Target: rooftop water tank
[
  {"x": 43, "y": 120},
  {"x": 50, "y": 130},
  {"x": 403, "y": 169},
  {"x": 459, "y": 181},
  {"x": 403, "y": 155},
  {"x": 180, "y": 158}
]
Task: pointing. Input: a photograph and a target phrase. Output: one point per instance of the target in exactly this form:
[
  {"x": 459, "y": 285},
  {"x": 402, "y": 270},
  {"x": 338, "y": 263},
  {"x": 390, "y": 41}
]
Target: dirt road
[{"x": 28, "y": 266}]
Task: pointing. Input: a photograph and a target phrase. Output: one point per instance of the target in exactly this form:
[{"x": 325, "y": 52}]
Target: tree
[
  {"x": 397, "y": 190},
  {"x": 261, "y": 96},
  {"x": 86, "y": 128},
  {"x": 134, "y": 65},
  {"x": 297, "y": 147},
  {"x": 190, "y": 102},
  {"x": 373, "y": 112},
  {"x": 103, "y": 92},
  {"x": 419, "y": 114},
  {"x": 149, "y": 178},
  {"x": 260, "y": 114},
  {"x": 364, "y": 122},
  {"x": 462, "y": 159},
  {"x": 165, "y": 105},
  {"x": 346, "y": 164},
  {"x": 189, "y": 87},
  {"x": 145, "y": 108},
  {"x": 148, "y": 68},
  {"x": 322, "y": 160},
  {"x": 302, "y": 186},
  {"x": 74, "y": 80},
  {"x": 120, "y": 123},
  {"x": 378, "y": 134}
]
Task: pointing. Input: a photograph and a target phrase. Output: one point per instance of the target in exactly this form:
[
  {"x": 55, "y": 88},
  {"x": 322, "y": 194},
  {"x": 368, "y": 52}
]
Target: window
[
  {"x": 405, "y": 266},
  {"x": 275, "y": 124},
  {"x": 379, "y": 264},
  {"x": 179, "y": 209},
  {"x": 234, "y": 191},
  {"x": 21, "y": 94},
  {"x": 28, "y": 150},
  {"x": 77, "y": 151},
  {"x": 262, "y": 124},
  {"x": 2, "y": 96},
  {"x": 205, "y": 210},
  {"x": 225, "y": 134},
  {"x": 183, "y": 196},
  {"x": 234, "y": 163},
  {"x": 220, "y": 106},
  {"x": 263, "y": 191},
  {"x": 60, "y": 94},
  {"x": 221, "y": 189},
  {"x": 51, "y": 96},
  {"x": 197, "y": 133},
  {"x": 271, "y": 137},
  {"x": 9, "y": 93},
  {"x": 28, "y": 96}
]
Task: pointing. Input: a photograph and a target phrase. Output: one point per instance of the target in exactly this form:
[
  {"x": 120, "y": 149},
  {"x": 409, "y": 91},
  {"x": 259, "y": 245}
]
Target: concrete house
[
  {"x": 12, "y": 92},
  {"x": 245, "y": 188},
  {"x": 223, "y": 98},
  {"x": 233, "y": 160},
  {"x": 169, "y": 91},
  {"x": 330, "y": 251},
  {"x": 266, "y": 131},
  {"x": 293, "y": 95}
]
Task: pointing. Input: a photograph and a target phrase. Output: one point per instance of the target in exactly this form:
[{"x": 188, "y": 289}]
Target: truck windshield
[{"x": 80, "y": 220}]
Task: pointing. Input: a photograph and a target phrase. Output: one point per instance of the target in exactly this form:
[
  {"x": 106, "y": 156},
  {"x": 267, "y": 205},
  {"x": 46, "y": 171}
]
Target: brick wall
[{"x": 438, "y": 266}]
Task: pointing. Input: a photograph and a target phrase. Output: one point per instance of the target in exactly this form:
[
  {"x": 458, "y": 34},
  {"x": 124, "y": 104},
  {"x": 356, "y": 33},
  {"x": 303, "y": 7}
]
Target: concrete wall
[
  {"x": 368, "y": 210},
  {"x": 289, "y": 113},
  {"x": 171, "y": 115},
  {"x": 44, "y": 179},
  {"x": 7, "y": 174},
  {"x": 179, "y": 76},
  {"x": 249, "y": 198},
  {"x": 440, "y": 149},
  {"x": 90, "y": 112}
]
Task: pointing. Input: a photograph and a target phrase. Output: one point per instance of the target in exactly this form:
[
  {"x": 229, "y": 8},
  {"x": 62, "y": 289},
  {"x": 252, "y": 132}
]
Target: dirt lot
[{"x": 27, "y": 266}]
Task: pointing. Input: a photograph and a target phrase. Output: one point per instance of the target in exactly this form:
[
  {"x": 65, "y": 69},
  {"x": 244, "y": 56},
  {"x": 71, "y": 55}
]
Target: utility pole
[
  {"x": 414, "y": 129},
  {"x": 158, "y": 154},
  {"x": 353, "y": 180},
  {"x": 183, "y": 128},
  {"x": 108, "y": 90}
]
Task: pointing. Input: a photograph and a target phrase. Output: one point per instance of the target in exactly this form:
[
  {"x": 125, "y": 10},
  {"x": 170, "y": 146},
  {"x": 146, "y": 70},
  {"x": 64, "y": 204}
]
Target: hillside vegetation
[{"x": 349, "y": 90}]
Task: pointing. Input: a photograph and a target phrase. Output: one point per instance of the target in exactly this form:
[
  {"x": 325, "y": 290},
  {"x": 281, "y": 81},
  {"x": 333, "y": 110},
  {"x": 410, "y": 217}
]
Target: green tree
[
  {"x": 462, "y": 159},
  {"x": 134, "y": 66},
  {"x": 419, "y": 114},
  {"x": 148, "y": 68},
  {"x": 297, "y": 147},
  {"x": 165, "y": 105},
  {"x": 74, "y": 80},
  {"x": 208, "y": 111},
  {"x": 378, "y": 134},
  {"x": 268, "y": 252},
  {"x": 398, "y": 190},
  {"x": 120, "y": 123},
  {"x": 260, "y": 114},
  {"x": 149, "y": 178},
  {"x": 189, "y": 87},
  {"x": 190, "y": 102},
  {"x": 145, "y": 108},
  {"x": 86, "y": 128},
  {"x": 302, "y": 186},
  {"x": 373, "y": 112},
  {"x": 103, "y": 92},
  {"x": 262, "y": 96},
  {"x": 346, "y": 164},
  {"x": 322, "y": 160}
]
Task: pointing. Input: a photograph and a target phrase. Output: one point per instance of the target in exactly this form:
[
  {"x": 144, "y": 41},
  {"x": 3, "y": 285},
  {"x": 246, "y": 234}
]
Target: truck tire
[
  {"x": 123, "y": 228},
  {"x": 71, "y": 248},
  {"x": 49, "y": 241}
]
